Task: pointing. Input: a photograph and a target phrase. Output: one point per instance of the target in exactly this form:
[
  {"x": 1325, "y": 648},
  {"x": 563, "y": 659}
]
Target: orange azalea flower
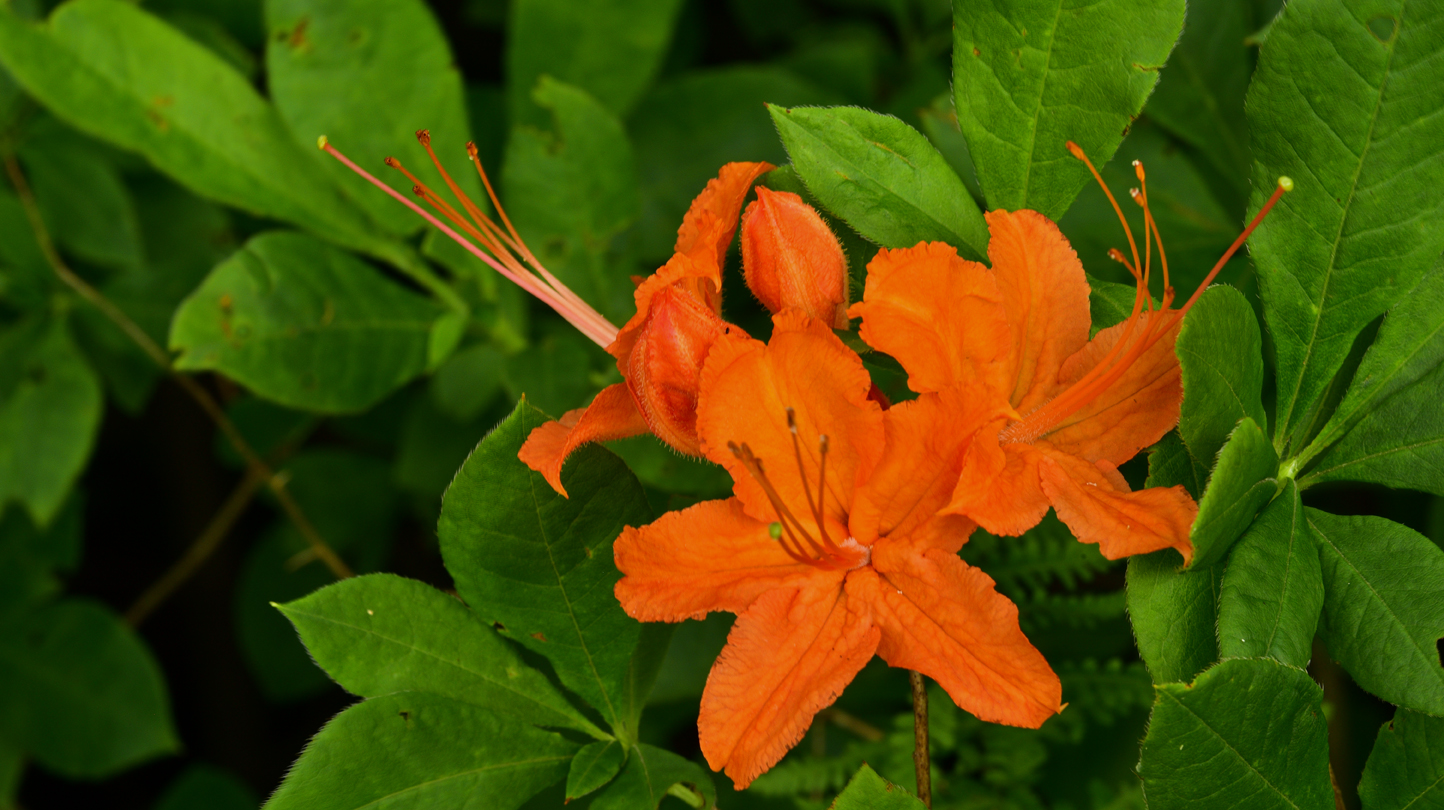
[
  {"x": 833, "y": 548},
  {"x": 792, "y": 259},
  {"x": 1059, "y": 411}
]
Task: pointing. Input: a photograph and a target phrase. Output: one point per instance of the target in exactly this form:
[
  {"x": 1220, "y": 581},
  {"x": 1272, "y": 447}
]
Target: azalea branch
[
  {"x": 922, "y": 762},
  {"x": 254, "y": 463}
]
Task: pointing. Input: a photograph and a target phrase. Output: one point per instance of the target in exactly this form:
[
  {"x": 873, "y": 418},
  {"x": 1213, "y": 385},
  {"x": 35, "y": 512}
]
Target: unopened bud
[
  {"x": 664, "y": 369},
  {"x": 792, "y": 260}
]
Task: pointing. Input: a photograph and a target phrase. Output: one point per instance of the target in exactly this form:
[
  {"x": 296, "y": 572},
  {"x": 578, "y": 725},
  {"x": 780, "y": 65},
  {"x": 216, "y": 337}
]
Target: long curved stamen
[
  {"x": 498, "y": 249},
  {"x": 814, "y": 505},
  {"x": 790, "y": 524}
]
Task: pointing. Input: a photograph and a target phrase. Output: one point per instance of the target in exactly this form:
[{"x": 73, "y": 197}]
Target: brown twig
[
  {"x": 255, "y": 465},
  {"x": 922, "y": 763},
  {"x": 856, "y": 725}
]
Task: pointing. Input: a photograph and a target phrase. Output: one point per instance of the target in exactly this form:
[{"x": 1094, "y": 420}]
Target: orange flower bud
[
  {"x": 791, "y": 259},
  {"x": 664, "y": 368}
]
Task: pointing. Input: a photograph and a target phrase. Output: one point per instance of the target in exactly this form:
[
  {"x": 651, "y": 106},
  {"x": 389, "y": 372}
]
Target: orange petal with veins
[
  {"x": 710, "y": 223},
  {"x": 707, "y": 557},
  {"x": 787, "y": 658},
  {"x": 943, "y": 618},
  {"x": 1045, "y": 294},
  {"x": 664, "y": 367},
  {"x": 612, "y": 415},
  {"x": 998, "y": 486},
  {"x": 1095, "y": 503},
  {"x": 938, "y": 315}
]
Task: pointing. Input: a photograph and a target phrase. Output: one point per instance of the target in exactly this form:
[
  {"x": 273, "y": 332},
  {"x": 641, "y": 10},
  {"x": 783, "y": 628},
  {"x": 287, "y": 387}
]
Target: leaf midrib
[
  {"x": 1038, "y": 109},
  {"x": 1226, "y": 744},
  {"x": 458, "y": 775}
]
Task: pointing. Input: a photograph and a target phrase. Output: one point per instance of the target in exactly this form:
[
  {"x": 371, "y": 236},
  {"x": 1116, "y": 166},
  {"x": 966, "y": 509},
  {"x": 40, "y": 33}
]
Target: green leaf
[
  {"x": 1406, "y": 768},
  {"x": 117, "y": 73},
  {"x": 691, "y": 125},
  {"x": 12, "y": 770},
  {"x": 50, "y": 409},
  {"x": 204, "y": 787},
  {"x": 1382, "y": 432},
  {"x": 30, "y": 557},
  {"x": 1349, "y": 115},
  {"x": 868, "y": 791},
  {"x": 573, "y": 193},
  {"x": 1029, "y": 76},
  {"x": 650, "y": 776},
  {"x": 1382, "y": 614},
  {"x": 304, "y": 324},
  {"x": 540, "y": 564},
  {"x": 1174, "y": 614},
  {"x": 1170, "y": 464},
  {"x": 1109, "y": 303},
  {"x": 80, "y": 692},
  {"x": 1273, "y": 589},
  {"x": 555, "y": 373},
  {"x": 83, "y": 201},
  {"x": 1248, "y": 733},
  {"x": 1220, "y": 353},
  {"x": 368, "y": 75},
  {"x": 412, "y": 749},
  {"x": 594, "y": 766},
  {"x": 610, "y": 48},
  {"x": 643, "y": 669},
  {"x": 380, "y": 633},
  {"x": 1200, "y": 93},
  {"x": 468, "y": 381},
  {"x": 882, "y": 177},
  {"x": 1241, "y": 484}
]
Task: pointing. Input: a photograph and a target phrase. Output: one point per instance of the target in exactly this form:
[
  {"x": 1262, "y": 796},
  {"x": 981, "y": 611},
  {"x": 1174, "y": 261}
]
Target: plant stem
[
  {"x": 197, "y": 392},
  {"x": 922, "y": 763}
]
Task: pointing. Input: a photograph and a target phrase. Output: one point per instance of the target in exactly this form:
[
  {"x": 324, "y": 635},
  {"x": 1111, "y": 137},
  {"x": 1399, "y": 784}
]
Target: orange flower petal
[
  {"x": 710, "y": 223},
  {"x": 939, "y": 315},
  {"x": 791, "y": 259},
  {"x": 664, "y": 366},
  {"x": 612, "y": 415},
  {"x": 998, "y": 486},
  {"x": 1133, "y": 412},
  {"x": 787, "y": 658},
  {"x": 746, "y": 389},
  {"x": 918, "y": 471},
  {"x": 943, "y": 618},
  {"x": 1046, "y": 297},
  {"x": 1095, "y": 503},
  {"x": 704, "y": 558}
]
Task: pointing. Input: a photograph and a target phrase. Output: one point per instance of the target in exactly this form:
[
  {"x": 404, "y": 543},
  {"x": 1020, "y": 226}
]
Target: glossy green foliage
[
  {"x": 1358, "y": 133},
  {"x": 1383, "y": 618},
  {"x": 50, "y": 404},
  {"x": 305, "y": 324},
  {"x": 1247, "y": 733},
  {"x": 368, "y": 75},
  {"x": 573, "y": 192},
  {"x": 1406, "y": 767},
  {"x": 423, "y": 750},
  {"x": 79, "y": 692},
  {"x": 1029, "y": 77},
  {"x": 1220, "y": 353},
  {"x": 869, "y": 791},
  {"x": 540, "y": 564},
  {"x": 1273, "y": 588},
  {"x": 881, "y": 177},
  {"x": 382, "y": 633},
  {"x": 1242, "y": 483},
  {"x": 1174, "y": 615}
]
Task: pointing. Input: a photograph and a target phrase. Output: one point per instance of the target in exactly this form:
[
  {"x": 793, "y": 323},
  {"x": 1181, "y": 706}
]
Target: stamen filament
[
  {"x": 753, "y": 465},
  {"x": 815, "y": 506}
]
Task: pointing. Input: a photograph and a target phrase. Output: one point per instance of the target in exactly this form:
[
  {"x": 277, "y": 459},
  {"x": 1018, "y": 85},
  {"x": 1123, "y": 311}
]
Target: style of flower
[{"x": 834, "y": 548}]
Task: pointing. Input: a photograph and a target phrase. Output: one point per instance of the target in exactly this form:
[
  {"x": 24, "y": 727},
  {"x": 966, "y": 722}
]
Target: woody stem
[{"x": 922, "y": 763}]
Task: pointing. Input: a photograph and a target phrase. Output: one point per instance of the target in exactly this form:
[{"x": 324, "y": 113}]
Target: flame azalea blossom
[
  {"x": 1059, "y": 411},
  {"x": 834, "y": 548},
  {"x": 792, "y": 259}
]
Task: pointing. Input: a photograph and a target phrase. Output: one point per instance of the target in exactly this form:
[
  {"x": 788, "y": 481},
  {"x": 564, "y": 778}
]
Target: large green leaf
[
  {"x": 573, "y": 193},
  {"x": 609, "y": 48},
  {"x": 1174, "y": 614},
  {"x": 1383, "y": 617},
  {"x": 381, "y": 633},
  {"x": 1028, "y": 77},
  {"x": 1220, "y": 353},
  {"x": 413, "y": 749},
  {"x": 868, "y": 791},
  {"x": 540, "y": 564},
  {"x": 1170, "y": 464},
  {"x": 1273, "y": 589},
  {"x": 1344, "y": 102},
  {"x": 115, "y": 72},
  {"x": 1248, "y": 733},
  {"x": 882, "y": 177},
  {"x": 50, "y": 408},
  {"x": 368, "y": 74},
  {"x": 1385, "y": 427},
  {"x": 650, "y": 775},
  {"x": 80, "y": 692},
  {"x": 305, "y": 324},
  {"x": 1241, "y": 484},
  {"x": 1406, "y": 767}
]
